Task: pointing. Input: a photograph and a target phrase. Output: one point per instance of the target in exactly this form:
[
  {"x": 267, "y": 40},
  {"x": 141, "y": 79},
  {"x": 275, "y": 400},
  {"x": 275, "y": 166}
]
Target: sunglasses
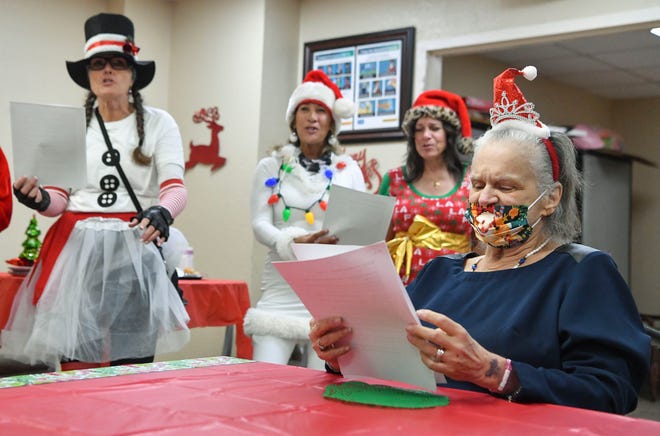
[{"x": 116, "y": 62}]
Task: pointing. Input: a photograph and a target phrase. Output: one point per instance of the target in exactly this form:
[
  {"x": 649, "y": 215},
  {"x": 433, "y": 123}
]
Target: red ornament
[
  {"x": 273, "y": 199},
  {"x": 341, "y": 165}
]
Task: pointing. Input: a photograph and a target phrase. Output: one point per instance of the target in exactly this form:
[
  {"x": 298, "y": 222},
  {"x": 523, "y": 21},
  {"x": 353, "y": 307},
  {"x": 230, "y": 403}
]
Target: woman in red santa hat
[
  {"x": 432, "y": 188},
  {"x": 289, "y": 195},
  {"x": 100, "y": 291}
]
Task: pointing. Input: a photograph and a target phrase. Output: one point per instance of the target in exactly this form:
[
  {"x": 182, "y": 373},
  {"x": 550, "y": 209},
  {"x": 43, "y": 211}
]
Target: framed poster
[{"x": 374, "y": 70}]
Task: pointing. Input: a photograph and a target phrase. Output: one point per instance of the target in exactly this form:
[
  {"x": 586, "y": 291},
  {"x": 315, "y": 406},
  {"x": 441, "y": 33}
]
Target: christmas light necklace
[{"x": 276, "y": 183}]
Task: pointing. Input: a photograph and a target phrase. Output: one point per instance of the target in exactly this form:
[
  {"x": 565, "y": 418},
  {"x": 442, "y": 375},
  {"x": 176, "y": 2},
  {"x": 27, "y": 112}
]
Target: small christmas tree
[{"x": 31, "y": 245}]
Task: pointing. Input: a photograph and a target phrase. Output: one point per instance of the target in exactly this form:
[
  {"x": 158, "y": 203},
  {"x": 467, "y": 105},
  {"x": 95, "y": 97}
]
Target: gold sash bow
[{"x": 423, "y": 233}]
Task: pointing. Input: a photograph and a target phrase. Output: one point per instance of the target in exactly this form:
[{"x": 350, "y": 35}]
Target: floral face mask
[{"x": 501, "y": 226}]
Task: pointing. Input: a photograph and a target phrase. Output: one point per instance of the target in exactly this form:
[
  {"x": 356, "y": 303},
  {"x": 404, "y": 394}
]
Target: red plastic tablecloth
[
  {"x": 211, "y": 303},
  {"x": 217, "y": 303},
  {"x": 261, "y": 398},
  {"x": 8, "y": 286}
]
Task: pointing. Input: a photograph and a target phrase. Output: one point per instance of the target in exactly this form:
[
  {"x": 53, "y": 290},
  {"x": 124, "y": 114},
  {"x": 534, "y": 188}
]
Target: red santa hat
[
  {"x": 319, "y": 89},
  {"x": 445, "y": 106},
  {"x": 511, "y": 109}
]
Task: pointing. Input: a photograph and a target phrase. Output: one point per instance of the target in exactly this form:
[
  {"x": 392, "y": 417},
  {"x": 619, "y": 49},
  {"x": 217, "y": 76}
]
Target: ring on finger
[
  {"x": 324, "y": 347},
  {"x": 438, "y": 354}
]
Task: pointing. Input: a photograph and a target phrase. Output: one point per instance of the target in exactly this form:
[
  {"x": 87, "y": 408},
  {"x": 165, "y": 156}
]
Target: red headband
[{"x": 553, "y": 158}]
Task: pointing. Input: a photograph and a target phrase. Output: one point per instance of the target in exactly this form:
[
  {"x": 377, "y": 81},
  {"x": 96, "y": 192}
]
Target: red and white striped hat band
[
  {"x": 110, "y": 42},
  {"x": 111, "y": 34}
]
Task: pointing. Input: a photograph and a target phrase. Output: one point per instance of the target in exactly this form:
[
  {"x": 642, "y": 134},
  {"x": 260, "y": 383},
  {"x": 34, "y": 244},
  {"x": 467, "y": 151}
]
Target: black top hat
[{"x": 111, "y": 33}]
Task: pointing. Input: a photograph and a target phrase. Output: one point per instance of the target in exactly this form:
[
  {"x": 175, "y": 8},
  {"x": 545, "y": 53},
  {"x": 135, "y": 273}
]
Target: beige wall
[
  {"x": 557, "y": 103},
  {"x": 217, "y": 55},
  {"x": 245, "y": 56}
]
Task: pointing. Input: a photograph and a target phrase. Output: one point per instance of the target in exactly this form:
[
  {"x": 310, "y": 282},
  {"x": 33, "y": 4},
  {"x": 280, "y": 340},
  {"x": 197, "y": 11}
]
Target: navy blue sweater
[{"x": 568, "y": 323}]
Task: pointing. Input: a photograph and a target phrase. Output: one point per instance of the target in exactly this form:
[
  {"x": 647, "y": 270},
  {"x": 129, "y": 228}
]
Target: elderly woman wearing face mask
[{"x": 536, "y": 318}]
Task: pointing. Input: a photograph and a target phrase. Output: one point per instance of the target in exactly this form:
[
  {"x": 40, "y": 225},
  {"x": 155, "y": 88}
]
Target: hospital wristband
[{"x": 505, "y": 377}]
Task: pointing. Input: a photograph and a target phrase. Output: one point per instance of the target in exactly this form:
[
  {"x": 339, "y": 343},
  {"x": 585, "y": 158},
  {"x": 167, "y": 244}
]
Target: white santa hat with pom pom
[
  {"x": 510, "y": 106},
  {"x": 319, "y": 89}
]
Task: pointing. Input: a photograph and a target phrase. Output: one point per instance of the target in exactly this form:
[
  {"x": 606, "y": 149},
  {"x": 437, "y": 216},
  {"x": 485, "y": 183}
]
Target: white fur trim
[
  {"x": 284, "y": 240},
  {"x": 266, "y": 323},
  {"x": 344, "y": 108},
  {"x": 310, "y": 91},
  {"x": 529, "y": 72},
  {"x": 287, "y": 152},
  {"x": 541, "y": 132}
]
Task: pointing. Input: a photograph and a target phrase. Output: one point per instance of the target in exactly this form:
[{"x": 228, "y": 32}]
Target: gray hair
[{"x": 564, "y": 224}]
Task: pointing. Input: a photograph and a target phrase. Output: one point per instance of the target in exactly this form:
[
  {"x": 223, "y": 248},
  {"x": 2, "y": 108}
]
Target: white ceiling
[{"x": 616, "y": 66}]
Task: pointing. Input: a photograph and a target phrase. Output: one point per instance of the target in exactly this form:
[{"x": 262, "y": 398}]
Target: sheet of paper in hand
[
  {"x": 362, "y": 286},
  {"x": 48, "y": 141},
  {"x": 356, "y": 217}
]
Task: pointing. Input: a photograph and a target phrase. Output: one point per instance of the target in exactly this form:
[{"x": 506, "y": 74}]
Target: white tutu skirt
[{"x": 108, "y": 297}]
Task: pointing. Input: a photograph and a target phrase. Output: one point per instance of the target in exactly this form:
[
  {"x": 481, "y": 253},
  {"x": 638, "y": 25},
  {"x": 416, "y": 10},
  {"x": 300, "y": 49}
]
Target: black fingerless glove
[
  {"x": 31, "y": 203},
  {"x": 159, "y": 217}
]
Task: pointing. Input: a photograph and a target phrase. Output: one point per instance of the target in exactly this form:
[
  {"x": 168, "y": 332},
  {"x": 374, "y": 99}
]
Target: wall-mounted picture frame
[{"x": 375, "y": 71}]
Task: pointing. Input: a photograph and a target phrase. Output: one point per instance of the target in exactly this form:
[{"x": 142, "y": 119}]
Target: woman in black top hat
[{"x": 99, "y": 291}]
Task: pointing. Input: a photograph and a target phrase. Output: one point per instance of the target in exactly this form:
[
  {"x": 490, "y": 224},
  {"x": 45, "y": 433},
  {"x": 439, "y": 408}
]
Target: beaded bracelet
[{"x": 505, "y": 377}]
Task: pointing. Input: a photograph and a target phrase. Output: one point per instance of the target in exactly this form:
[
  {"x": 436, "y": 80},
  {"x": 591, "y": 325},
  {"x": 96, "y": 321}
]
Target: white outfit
[
  {"x": 162, "y": 142},
  {"x": 108, "y": 296},
  {"x": 280, "y": 320}
]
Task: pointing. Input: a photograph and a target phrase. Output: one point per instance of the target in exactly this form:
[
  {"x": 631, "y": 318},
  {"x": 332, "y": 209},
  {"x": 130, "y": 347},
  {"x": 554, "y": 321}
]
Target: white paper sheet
[
  {"x": 48, "y": 141},
  {"x": 362, "y": 286},
  {"x": 318, "y": 251},
  {"x": 356, "y": 217}
]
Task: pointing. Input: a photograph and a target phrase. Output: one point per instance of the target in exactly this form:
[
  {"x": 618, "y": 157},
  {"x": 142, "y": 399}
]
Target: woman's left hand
[
  {"x": 155, "y": 221},
  {"x": 326, "y": 334},
  {"x": 320, "y": 237},
  {"x": 449, "y": 349}
]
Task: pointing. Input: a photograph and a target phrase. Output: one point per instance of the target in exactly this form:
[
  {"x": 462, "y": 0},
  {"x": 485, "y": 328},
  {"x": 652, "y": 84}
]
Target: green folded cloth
[{"x": 381, "y": 395}]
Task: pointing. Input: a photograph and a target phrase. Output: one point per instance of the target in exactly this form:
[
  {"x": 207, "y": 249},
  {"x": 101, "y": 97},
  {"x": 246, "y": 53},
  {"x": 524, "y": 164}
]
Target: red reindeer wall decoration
[{"x": 207, "y": 154}]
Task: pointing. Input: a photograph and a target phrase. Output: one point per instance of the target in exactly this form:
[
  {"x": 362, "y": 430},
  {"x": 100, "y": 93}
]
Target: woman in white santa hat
[{"x": 289, "y": 195}]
